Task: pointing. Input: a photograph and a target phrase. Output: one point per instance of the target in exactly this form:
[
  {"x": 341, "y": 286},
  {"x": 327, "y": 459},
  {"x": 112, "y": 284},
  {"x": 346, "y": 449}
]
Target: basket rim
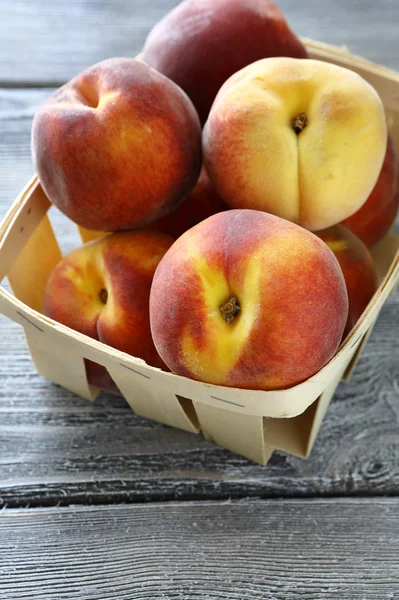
[{"x": 344, "y": 55}]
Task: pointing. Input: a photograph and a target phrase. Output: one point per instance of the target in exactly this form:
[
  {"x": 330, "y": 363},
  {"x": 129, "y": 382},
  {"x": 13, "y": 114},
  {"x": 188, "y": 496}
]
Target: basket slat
[
  {"x": 59, "y": 364},
  {"x": 19, "y": 224},
  {"x": 30, "y": 271},
  {"x": 320, "y": 410},
  {"x": 148, "y": 401},
  {"x": 239, "y": 433},
  {"x": 352, "y": 364}
]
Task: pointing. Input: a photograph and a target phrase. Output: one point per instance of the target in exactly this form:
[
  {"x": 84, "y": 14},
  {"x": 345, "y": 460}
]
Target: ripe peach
[
  {"x": 302, "y": 139},
  {"x": 102, "y": 290},
  {"x": 118, "y": 146},
  {"x": 377, "y": 215},
  {"x": 201, "y": 43},
  {"x": 97, "y": 375},
  {"x": 358, "y": 269},
  {"x": 249, "y": 300},
  {"x": 200, "y": 204}
]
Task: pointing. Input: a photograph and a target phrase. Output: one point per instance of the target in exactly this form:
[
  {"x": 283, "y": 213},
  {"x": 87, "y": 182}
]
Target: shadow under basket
[{"x": 250, "y": 423}]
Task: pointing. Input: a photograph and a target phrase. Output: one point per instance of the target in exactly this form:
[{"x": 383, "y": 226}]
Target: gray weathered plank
[
  {"x": 45, "y": 42},
  {"x": 279, "y": 550},
  {"x": 55, "y": 447},
  {"x": 17, "y": 108}
]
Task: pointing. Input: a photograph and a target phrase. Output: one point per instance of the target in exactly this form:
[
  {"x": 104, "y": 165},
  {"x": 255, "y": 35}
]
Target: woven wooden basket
[{"x": 250, "y": 423}]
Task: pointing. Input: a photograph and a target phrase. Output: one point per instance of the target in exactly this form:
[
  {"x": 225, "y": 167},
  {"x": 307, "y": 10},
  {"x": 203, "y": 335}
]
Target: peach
[
  {"x": 357, "y": 267},
  {"x": 98, "y": 376},
  {"x": 200, "y": 204},
  {"x": 201, "y": 43},
  {"x": 377, "y": 215},
  {"x": 102, "y": 290},
  {"x": 248, "y": 300},
  {"x": 302, "y": 139},
  {"x": 118, "y": 146}
]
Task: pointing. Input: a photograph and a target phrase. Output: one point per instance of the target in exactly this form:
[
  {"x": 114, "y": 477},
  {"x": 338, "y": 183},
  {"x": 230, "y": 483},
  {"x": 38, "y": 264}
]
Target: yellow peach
[
  {"x": 302, "y": 139},
  {"x": 102, "y": 290}
]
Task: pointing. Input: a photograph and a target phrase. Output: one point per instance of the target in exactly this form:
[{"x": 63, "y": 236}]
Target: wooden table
[{"x": 100, "y": 503}]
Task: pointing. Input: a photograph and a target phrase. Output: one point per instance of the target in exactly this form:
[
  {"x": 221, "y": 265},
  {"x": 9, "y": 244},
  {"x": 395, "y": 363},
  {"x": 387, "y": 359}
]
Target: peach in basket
[
  {"x": 118, "y": 146},
  {"x": 201, "y": 43},
  {"x": 301, "y": 139},
  {"x": 357, "y": 266},
  {"x": 248, "y": 300},
  {"x": 102, "y": 290},
  {"x": 376, "y": 217}
]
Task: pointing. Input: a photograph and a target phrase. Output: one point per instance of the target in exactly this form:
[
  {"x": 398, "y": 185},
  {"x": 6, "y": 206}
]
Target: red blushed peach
[
  {"x": 118, "y": 146},
  {"x": 357, "y": 267},
  {"x": 248, "y": 300},
  {"x": 102, "y": 290},
  {"x": 376, "y": 217},
  {"x": 201, "y": 43},
  {"x": 199, "y": 205}
]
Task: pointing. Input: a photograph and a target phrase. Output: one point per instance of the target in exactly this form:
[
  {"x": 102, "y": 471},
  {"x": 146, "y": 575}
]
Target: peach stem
[
  {"x": 230, "y": 309},
  {"x": 299, "y": 123},
  {"x": 103, "y": 295}
]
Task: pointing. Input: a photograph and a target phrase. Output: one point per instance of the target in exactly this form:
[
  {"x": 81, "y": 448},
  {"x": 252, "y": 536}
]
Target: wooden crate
[{"x": 250, "y": 423}]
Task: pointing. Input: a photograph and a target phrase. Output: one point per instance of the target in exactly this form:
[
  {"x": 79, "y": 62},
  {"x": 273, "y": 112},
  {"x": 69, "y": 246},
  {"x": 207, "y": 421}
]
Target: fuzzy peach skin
[
  {"x": 302, "y": 139},
  {"x": 287, "y": 283},
  {"x": 201, "y": 43},
  {"x": 118, "y": 146},
  {"x": 377, "y": 215},
  {"x": 357, "y": 267},
  {"x": 200, "y": 204},
  {"x": 102, "y": 290}
]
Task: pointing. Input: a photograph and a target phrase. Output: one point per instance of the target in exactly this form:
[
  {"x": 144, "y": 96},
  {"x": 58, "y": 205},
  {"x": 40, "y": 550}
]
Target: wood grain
[
  {"x": 46, "y": 42},
  {"x": 282, "y": 550},
  {"x": 57, "y": 448}
]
